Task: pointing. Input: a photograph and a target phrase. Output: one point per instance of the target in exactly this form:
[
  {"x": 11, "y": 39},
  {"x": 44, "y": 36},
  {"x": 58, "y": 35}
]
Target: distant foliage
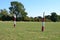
[
  {"x": 19, "y": 10},
  {"x": 54, "y": 17}
]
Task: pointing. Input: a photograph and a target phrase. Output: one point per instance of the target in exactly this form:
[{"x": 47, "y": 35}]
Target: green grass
[{"x": 29, "y": 31}]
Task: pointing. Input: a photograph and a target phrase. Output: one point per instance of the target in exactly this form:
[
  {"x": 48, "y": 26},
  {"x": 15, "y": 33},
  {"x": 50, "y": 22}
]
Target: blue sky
[{"x": 35, "y": 7}]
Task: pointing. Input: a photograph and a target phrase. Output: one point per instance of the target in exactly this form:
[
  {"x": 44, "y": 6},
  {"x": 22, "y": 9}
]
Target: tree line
[{"x": 21, "y": 14}]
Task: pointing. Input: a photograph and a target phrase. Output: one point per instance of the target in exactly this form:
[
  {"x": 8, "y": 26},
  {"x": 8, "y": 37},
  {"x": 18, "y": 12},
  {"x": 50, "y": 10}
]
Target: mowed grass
[{"x": 29, "y": 31}]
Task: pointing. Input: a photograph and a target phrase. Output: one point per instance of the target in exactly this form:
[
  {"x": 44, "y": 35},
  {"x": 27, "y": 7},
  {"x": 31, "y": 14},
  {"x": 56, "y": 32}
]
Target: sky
[{"x": 35, "y": 8}]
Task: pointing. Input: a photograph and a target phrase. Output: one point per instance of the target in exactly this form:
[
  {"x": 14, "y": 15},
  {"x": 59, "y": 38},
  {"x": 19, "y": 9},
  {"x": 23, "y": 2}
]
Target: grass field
[{"x": 29, "y": 31}]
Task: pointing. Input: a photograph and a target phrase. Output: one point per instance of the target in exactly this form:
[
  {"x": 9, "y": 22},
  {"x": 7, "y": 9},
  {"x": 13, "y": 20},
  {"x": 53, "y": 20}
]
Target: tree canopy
[
  {"x": 18, "y": 8},
  {"x": 54, "y": 16}
]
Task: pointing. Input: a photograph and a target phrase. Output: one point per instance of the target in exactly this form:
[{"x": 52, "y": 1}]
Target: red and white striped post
[
  {"x": 43, "y": 22},
  {"x": 14, "y": 20}
]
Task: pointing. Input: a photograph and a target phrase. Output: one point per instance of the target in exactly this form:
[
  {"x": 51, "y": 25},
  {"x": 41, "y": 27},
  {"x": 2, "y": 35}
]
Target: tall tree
[
  {"x": 18, "y": 9},
  {"x": 53, "y": 16}
]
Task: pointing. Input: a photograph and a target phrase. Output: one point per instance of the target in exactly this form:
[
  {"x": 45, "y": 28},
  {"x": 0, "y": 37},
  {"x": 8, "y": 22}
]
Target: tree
[
  {"x": 36, "y": 19},
  {"x": 3, "y": 14},
  {"x": 27, "y": 18},
  {"x": 32, "y": 19},
  {"x": 18, "y": 9},
  {"x": 53, "y": 17},
  {"x": 39, "y": 18},
  {"x": 58, "y": 18},
  {"x": 47, "y": 18}
]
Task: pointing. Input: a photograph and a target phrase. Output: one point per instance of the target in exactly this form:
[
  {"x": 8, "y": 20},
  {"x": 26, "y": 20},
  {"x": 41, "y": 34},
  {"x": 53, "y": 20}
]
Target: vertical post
[
  {"x": 43, "y": 22},
  {"x": 14, "y": 20}
]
